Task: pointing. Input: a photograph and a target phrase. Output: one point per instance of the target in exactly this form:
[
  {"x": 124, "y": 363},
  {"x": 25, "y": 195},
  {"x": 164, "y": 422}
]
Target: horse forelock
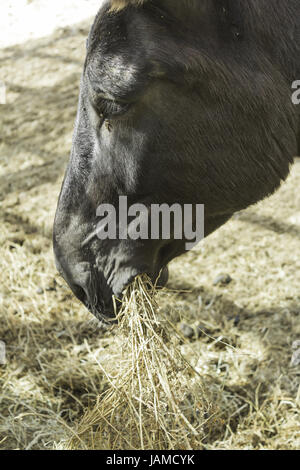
[{"x": 117, "y": 5}]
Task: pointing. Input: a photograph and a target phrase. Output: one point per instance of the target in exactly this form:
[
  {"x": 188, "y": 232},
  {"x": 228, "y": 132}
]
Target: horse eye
[{"x": 110, "y": 108}]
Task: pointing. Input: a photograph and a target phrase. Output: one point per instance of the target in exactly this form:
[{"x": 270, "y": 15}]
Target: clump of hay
[{"x": 156, "y": 400}]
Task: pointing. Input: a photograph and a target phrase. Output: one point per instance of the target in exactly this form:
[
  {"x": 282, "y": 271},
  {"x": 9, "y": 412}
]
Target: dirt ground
[{"x": 249, "y": 354}]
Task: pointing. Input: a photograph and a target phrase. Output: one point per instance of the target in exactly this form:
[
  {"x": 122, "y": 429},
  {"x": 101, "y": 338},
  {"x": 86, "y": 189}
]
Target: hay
[{"x": 156, "y": 400}]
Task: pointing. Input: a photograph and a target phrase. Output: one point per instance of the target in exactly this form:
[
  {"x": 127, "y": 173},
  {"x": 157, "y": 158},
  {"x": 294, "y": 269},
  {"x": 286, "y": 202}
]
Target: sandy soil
[
  {"x": 51, "y": 374},
  {"x": 21, "y": 20}
]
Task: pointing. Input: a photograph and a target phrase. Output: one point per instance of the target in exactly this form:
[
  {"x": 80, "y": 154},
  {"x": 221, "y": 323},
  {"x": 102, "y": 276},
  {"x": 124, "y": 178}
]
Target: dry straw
[{"x": 156, "y": 400}]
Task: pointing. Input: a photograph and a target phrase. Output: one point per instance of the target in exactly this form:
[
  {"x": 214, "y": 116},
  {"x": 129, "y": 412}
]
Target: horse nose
[
  {"x": 81, "y": 282},
  {"x": 80, "y": 292},
  {"x": 78, "y": 277}
]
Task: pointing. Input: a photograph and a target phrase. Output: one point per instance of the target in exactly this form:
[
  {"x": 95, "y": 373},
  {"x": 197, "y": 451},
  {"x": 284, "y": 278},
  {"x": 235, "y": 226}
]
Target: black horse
[{"x": 181, "y": 101}]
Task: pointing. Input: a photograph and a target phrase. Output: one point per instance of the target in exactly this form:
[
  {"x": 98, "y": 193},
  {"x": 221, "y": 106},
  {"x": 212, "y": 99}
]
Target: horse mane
[{"x": 117, "y": 5}]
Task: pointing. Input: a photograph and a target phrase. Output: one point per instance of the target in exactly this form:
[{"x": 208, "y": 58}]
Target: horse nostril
[
  {"x": 79, "y": 292},
  {"x": 79, "y": 280}
]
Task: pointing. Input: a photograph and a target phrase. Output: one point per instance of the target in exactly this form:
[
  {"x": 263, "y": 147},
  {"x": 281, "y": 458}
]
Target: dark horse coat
[{"x": 181, "y": 101}]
